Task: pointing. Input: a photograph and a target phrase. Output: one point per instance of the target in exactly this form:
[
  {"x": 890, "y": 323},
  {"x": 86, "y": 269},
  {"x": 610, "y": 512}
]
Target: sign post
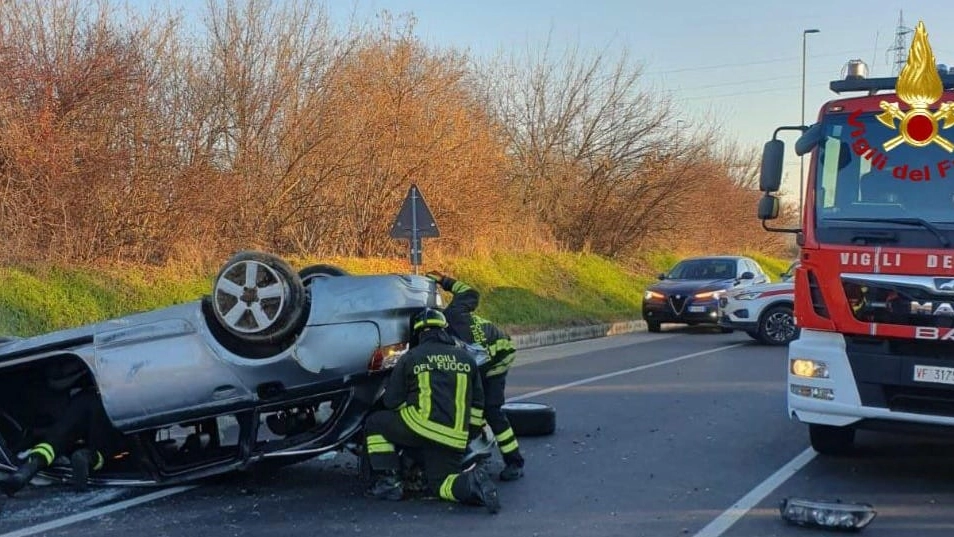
[{"x": 414, "y": 222}]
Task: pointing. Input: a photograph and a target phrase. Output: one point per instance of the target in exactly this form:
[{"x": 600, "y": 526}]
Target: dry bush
[{"x": 128, "y": 139}]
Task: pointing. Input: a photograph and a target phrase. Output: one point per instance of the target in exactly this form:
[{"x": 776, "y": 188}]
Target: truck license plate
[{"x": 928, "y": 373}]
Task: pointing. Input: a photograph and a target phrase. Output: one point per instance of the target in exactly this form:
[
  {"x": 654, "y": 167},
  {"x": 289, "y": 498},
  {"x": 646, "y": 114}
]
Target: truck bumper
[{"x": 860, "y": 390}]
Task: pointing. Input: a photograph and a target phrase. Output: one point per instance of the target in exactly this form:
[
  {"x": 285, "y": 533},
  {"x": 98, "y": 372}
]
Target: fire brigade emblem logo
[{"x": 919, "y": 86}]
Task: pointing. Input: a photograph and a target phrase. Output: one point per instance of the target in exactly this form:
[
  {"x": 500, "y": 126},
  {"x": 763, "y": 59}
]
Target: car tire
[
  {"x": 754, "y": 334},
  {"x": 530, "y": 419},
  {"x": 777, "y": 325},
  {"x": 320, "y": 271},
  {"x": 258, "y": 298},
  {"x": 726, "y": 330},
  {"x": 831, "y": 440},
  {"x": 653, "y": 326}
]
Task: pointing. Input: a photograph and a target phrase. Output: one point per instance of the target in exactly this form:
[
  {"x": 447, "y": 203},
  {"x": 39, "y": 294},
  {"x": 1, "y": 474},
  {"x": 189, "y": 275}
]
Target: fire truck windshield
[{"x": 859, "y": 184}]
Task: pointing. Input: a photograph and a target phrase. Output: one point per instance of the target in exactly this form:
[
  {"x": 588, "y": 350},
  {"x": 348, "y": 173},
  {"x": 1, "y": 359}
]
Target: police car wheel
[{"x": 530, "y": 419}]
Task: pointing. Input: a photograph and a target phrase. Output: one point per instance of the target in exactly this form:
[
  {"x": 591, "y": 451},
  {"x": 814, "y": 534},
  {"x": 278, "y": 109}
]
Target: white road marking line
[
  {"x": 733, "y": 514},
  {"x": 621, "y": 372},
  {"x": 100, "y": 511},
  {"x": 560, "y": 351}
]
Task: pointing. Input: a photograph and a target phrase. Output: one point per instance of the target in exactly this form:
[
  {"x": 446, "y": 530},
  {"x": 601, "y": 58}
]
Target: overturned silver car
[{"x": 272, "y": 365}]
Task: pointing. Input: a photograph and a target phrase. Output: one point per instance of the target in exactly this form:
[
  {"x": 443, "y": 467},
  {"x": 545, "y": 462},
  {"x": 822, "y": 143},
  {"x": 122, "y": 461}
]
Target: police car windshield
[{"x": 858, "y": 179}]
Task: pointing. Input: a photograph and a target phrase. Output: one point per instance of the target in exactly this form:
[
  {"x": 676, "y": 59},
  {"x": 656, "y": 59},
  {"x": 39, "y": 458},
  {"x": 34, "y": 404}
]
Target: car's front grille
[{"x": 678, "y": 303}]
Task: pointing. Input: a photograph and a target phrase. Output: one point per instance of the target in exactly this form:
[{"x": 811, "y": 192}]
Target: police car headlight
[{"x": 746, "y": 296}]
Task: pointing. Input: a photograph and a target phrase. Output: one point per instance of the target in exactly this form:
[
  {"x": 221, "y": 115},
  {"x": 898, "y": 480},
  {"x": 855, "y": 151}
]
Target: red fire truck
[{"x": 874, "y": 293}]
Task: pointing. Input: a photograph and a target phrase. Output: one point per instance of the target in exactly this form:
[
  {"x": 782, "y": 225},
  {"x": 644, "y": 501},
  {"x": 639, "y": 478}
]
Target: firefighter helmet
[{"x": 428, "y": 318}]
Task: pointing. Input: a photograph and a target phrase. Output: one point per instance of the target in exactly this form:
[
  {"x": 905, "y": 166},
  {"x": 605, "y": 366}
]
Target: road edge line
[
  {"x": 97, "y": 512},
  {"x": 621, "y": 372},
  {"x": 755, "y": 496}
]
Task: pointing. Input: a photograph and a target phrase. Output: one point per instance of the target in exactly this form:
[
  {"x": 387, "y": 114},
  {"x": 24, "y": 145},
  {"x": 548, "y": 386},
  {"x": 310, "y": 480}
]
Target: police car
[{"x": 765, "y": 311}]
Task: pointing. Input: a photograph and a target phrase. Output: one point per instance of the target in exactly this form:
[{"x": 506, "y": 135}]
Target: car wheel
[
  {"x": 777, "y": 326},
  {"x": 320, "y": 271},
  {"x": 530, "y": 419},
  {"x": 830, "y": 440},
  {"x": 754, "y": 334},
  {"x": 258, "y": 298},
  {"x": 653, "y": 326},
  {"x": 726, "y": 330}
]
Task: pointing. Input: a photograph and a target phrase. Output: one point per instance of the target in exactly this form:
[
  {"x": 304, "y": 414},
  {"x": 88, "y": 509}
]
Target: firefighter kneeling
[{"x": 435, "y": 401}]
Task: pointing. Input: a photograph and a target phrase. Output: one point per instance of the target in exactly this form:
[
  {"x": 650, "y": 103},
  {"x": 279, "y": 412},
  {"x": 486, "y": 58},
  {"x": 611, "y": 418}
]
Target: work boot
[
  {"x": 83, "y": 461},
  {"x": 10, "y": 484},
  {"x": 484, "y": 489},
  {"x": 512, "y": 472},
  {"x": 387, "y": 487}
]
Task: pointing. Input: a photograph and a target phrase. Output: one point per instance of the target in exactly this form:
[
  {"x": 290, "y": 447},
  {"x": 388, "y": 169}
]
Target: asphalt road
[{"x": 681, "y": 433}]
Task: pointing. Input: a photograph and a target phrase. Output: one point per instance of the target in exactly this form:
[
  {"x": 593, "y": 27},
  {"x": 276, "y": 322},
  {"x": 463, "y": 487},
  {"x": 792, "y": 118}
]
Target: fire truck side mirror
[
  {"x": 770, "y": 179},
  {"x": 768, "y": 207}
]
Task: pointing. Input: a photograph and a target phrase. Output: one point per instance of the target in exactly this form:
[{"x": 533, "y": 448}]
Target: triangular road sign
[{"x": 414, "y": 218}]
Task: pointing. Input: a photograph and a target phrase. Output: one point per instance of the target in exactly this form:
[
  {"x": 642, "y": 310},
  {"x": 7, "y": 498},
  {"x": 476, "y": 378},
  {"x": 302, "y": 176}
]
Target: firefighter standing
[
  {"x": 471, "y": 328},
  {"x": 434, "y": 400}
]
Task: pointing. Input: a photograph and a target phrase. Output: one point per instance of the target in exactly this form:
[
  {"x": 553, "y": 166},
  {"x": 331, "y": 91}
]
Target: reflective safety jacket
[
  {"x": 437, "y": 390},
  {"x": 470, "y": 327}
]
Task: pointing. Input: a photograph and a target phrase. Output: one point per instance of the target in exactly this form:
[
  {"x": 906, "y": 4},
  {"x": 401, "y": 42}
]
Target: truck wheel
[
  {"x": 653, "y": 326},
  {"x": 530, "y": 419},
  {"x": 830, "y": 440}
]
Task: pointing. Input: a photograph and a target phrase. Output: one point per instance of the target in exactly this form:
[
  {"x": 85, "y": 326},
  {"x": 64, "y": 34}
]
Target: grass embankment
[{"x": 523, "y": 292}]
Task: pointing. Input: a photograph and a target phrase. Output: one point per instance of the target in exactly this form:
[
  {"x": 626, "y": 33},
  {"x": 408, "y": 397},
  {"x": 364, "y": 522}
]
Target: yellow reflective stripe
[
  {"x": 424, "y": 397},
  {"x": 508, "y": 447},
  {"x": 378, "y": 444},
  {"x": 502, "y": 366},
  {"x": 44, "y": 450},
  {"x": 433, "y": 431},
  {"x": 500, "y": 345},
  {"x": 100, "y": 462},
  {"x": 381, "y": 448},
  {"x": 459, "y": 287},
  {"x": 447, "y": 488},
  {"x": 506, "y": 435},
  {"x": 477, "y": 422},
  {"x": 477, "y": 413},
  {"x": 460, "y": 400}
]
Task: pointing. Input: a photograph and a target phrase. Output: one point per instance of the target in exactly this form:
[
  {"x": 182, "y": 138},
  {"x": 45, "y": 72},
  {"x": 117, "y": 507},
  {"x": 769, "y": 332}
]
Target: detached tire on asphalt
[{"x": 530, "y": 419}]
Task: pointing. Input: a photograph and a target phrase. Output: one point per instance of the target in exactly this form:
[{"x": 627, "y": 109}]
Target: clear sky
[{"x": 737, "y": 61}]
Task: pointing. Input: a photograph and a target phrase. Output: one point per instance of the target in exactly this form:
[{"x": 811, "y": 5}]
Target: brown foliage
[{"x": 136, "y": 141}]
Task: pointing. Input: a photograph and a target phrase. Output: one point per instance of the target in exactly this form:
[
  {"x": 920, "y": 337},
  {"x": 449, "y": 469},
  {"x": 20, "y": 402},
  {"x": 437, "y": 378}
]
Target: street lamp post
[{"x": 801, "y": 171}]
